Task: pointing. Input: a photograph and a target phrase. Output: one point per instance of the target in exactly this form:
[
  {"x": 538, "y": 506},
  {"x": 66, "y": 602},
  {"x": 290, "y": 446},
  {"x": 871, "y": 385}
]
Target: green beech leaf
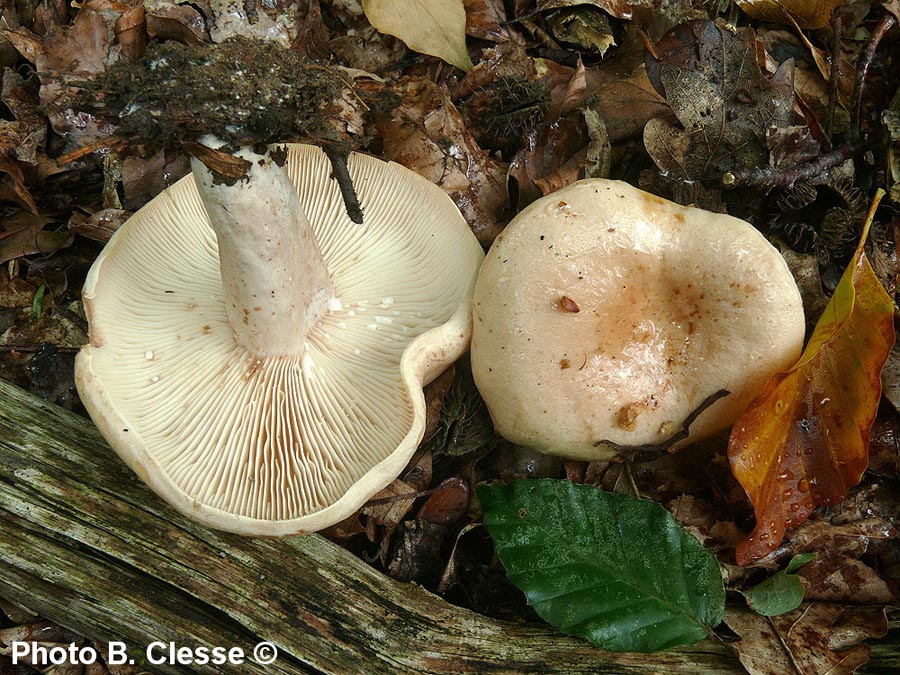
[
  {"x": 780, "y": 593},
  {"x": 616, "y": 570}
]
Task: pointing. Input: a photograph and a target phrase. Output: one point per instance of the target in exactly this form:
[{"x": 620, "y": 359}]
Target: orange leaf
[{"x": 803, "y": 441}]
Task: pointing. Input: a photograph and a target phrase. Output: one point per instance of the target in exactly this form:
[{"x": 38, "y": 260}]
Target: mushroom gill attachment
[
  {"x": 249, "y": 431},
  {"x": 604, "y": 313}
]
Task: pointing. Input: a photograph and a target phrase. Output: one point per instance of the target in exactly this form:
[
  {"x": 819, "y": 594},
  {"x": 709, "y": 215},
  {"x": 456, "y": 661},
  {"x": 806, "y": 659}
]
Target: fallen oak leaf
[{"x": 803, "y": 442}]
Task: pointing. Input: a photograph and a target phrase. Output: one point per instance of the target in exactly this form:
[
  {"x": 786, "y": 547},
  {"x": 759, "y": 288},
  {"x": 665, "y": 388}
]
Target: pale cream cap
[{"x": 673, "y": 304}]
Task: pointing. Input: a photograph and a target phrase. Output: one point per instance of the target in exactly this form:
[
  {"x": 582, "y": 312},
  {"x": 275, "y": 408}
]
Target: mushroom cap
[
  {"x": 283, "y": 445},
  {"x": 603, "y": 312}
]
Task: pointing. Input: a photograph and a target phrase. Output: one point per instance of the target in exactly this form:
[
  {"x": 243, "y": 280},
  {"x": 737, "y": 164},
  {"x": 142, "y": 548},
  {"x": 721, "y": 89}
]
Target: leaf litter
[{"x": 734, "y": 107}]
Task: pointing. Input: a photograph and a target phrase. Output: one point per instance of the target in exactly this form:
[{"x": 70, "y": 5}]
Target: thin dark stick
[
  {"x": 35, "y": 350},
  {"x": 655, "y": 449},
  {"x": 342, "y": 175},
  {"x": 837, "y": 24},
  {"x": 862, "y": 68},
  {"x": 767, "y": 177}
]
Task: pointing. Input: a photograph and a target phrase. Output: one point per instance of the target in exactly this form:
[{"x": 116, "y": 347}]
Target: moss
[{"x": 243, "y": 91}]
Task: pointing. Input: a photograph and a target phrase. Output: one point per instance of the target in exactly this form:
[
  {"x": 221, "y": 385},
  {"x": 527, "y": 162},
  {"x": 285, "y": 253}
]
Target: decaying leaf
[
  {"x": 487, "y": 20},
  {"x": 803, "y": 442},
  {"x": 426, "y": 133},
  {"x": 584, "y": 28},
  {"x": 621, "y": 9},
  {"x": 433, "y": 27},
  {"x": 813, "y": 639},
  {"x": 806, "y": 13},
  {"x": 725, "y": 104},
  {"x": 836, "y": 577},
  {"x": 24, "y": 234},
  {"x": 258, "y": 21}
]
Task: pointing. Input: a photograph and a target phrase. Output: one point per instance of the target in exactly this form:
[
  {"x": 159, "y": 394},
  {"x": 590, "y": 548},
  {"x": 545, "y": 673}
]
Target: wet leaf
[
  {"x": 448, "y": 504},
  {"x": 780, "y": 593},
  {"x": 806, "y": 641},
  {"x": 803, "y": 442},
  {"x": 615, "y": 570},
  {"x": 433, "y": 27},
  {"x": 806, "y": 13}
]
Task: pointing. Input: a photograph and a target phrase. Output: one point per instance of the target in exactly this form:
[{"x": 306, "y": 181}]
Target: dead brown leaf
[
  {"x": 99, "y": 226},
  {"x": 23, "y": 137},
  {"x": 816, "y": 638},
  {"x": 416, "y": 554},
  {"x": 835, "y": 577},
  {"x": 434, "y": 401},
  {"x": 426, "y": 133},
  {"x": 145, "y": 177},
  {"x": 806, "y": 13},
  {"x": 390, "y": 506},
  {"x": 131, "y": 32},
  {"x": 23, "y": 234},
  {"x": 486, "y": 20},
  {"x": 178, "y": 22},
  {"x": 852, "y": 539},
  {"x": 15, "y": 180},
  {"x": 621, "y": 9}
]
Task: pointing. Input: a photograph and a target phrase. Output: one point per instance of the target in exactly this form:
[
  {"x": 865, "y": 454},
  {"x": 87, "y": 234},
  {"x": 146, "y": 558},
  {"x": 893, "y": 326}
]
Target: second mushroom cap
[{"x": 604, "y": 313}]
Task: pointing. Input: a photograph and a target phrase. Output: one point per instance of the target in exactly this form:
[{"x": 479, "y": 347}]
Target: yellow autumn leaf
[
  {"x": 433, "y": 27},
  {"x": 803, "y": 441}
]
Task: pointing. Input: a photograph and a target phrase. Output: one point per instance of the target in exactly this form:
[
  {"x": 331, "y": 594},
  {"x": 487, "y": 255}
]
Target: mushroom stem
[{"x": 264, "y": 238}]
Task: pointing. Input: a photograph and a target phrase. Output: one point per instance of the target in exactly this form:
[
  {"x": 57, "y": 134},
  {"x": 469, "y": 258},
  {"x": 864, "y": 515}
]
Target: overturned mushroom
[
  {"x": 256, "y": 357},
  {"x": 604, "y": 313}
]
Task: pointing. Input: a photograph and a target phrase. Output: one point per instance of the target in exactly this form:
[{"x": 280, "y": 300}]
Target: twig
[
  {"x": 862, "y": 68},
  {"x": 835, "y": 74},
  {"x": 653, "y": 450},
  {"x": 402, "y": 497},
  {"x": 34, "y": 350},
  {"x": 110, "y": 143},
  {"x": 342, "y": 175},
  {"x": 767, "y": 177}
]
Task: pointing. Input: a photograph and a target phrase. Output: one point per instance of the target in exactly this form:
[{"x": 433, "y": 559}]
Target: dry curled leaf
[
  {"x": 813, "y": 639},
  {"x": 433, "y": 27},
  {"x": 803, "y": 442}
]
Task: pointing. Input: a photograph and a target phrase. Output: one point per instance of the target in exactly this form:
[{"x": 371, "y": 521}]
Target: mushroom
[
  {"x": 263, "y": 372},
  {"x": 604, "y": 313}
]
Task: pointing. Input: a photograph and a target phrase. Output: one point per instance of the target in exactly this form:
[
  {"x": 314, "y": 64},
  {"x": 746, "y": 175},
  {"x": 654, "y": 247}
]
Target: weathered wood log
[{"x": 86, "y": 544}]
